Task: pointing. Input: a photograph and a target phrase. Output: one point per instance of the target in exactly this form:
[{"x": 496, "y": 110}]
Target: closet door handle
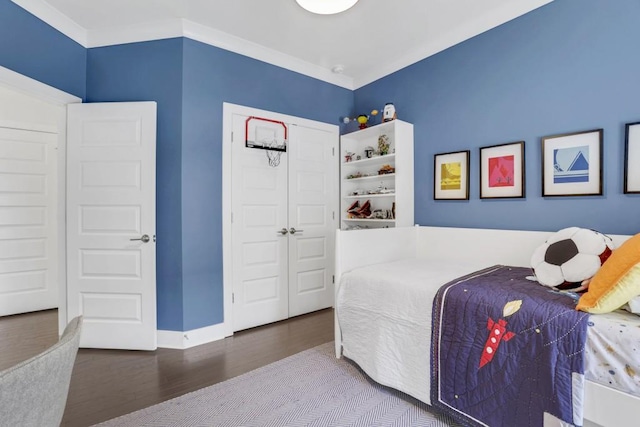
[
  {"x": 145, "y": 238},
  {"x": 283, "y": 231},
  {"x": 294, "y": 231}
]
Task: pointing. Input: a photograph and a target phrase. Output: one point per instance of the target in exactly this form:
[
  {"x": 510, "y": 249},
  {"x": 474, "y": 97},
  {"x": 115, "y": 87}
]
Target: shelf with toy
[
  {"x": 368, "y": 220},
  {"x": 374, "y": 130},
  {"x": 371, "y": 177},
  {"x": 377, "y": 168},
  {"x": 373, "y": 160},
  {"x": 369, "y": 196},
  {"x": 371, "y": 208}
]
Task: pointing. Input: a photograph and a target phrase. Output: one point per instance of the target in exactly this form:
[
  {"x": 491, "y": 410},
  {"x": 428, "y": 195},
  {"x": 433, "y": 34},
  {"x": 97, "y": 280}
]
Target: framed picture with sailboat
[{"x": 572, "y": 164}]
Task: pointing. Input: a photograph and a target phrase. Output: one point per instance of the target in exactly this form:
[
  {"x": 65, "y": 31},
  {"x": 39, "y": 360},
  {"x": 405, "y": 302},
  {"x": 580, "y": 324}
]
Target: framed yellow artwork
[{"x": 451, "y": 176}]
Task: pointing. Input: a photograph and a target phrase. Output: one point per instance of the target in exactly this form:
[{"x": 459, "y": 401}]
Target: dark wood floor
[{"x": 109, "y": 383}]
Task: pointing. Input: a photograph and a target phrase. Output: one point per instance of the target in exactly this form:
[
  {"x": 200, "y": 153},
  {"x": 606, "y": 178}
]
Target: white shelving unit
[{"x": 362, "y": 179}]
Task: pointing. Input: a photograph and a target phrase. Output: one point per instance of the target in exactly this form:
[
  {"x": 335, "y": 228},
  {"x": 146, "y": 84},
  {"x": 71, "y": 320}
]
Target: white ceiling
[{"x": 372, "y": 39}]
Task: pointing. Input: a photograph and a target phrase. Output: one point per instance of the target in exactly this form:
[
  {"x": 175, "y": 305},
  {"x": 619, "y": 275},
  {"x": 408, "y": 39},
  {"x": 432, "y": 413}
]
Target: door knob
[
  {"x": 294, "y": 231},
  {"x": 283, "y": 231},
  {"x": 145, "y": 238}
]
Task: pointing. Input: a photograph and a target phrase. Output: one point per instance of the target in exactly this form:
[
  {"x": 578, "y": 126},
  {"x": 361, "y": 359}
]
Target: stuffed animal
[{"x": 570, "y": 258}]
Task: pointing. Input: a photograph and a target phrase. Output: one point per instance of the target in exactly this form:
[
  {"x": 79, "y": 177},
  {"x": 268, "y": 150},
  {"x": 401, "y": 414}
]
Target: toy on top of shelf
[
  {"x": 362, "y": 119},
  {"x": 389, "y": 112}
]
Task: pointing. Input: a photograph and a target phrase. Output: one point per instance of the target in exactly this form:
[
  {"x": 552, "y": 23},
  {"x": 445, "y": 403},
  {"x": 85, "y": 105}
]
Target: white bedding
[
  {"x": 613, "y": 351},
  {"x": 384, "y": 313}
]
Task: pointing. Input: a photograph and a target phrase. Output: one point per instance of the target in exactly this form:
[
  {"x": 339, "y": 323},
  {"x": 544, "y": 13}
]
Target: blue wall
[
  {"x": 569, "y": 66},
  {"x": 213, "y": 76},
  {"x": 35, "y": 49},
  {"x": 152, "y": 71}
]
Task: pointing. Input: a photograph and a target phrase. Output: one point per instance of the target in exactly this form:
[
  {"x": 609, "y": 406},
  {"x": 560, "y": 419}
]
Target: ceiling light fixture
[{"x": 326, "y": 7}]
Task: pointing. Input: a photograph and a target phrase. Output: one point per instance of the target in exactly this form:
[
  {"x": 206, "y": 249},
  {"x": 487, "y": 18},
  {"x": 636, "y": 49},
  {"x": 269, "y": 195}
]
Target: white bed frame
[{"x": 604, "y": 406}]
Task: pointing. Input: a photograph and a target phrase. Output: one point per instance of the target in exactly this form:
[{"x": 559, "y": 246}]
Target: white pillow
[{"x": 633, "y": 306}]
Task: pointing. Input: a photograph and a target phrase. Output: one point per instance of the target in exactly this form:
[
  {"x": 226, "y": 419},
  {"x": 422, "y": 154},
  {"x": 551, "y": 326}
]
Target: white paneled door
[
  {"x": 260, "y": 233},
  {"x": 283, "y": 219},
  {"x": 312, "y": 202},
  {"x": 28, "y": 225},
  {"x": 111, "y": 248}
]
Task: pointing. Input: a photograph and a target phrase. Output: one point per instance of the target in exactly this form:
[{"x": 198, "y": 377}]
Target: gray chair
[{"x": 34, "y": 392}]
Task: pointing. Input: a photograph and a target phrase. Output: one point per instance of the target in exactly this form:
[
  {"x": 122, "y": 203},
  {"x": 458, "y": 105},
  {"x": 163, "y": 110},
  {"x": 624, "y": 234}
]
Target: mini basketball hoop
[{"x": 270, "y": 136}]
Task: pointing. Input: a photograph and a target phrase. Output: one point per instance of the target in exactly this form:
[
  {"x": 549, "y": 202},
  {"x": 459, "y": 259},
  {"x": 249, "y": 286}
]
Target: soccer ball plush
[{"x": 569, "y": 258}]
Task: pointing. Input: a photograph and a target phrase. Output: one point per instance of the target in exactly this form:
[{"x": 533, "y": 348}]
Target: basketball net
[{"x": 274, "y": 155}]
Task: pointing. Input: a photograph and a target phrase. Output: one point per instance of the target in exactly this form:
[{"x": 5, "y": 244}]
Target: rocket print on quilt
[
  {"x": 498, "y": 332},
  {"x": 506, "y": 350}
]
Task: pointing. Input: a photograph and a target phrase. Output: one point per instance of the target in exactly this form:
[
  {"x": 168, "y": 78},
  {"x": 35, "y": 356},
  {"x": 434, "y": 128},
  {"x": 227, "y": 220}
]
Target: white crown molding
[
  {"x": 52, "y": 16},
  {"x": 185, "y": 28},
  {"x": 231, "y": 43},
  {"x": 23, "y": 84},
  {"x": 177, "y": 28},
  {"x": 481, "y": 24},
  {"x": 144, "y": 32}
]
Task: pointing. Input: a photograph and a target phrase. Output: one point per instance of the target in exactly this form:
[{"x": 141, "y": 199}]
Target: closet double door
[{"x": 283, "y": 218}]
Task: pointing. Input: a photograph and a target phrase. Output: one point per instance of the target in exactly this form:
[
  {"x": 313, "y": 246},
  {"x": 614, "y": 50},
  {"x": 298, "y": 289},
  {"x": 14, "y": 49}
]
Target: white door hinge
[
  {"x": 333, "y": 279},
  {"x": 233, "y": 298},
  {"x": 333, "y": 151}
]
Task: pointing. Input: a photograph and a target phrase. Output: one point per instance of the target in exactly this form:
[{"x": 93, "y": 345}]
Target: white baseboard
[{"x": 187, "y": 339}]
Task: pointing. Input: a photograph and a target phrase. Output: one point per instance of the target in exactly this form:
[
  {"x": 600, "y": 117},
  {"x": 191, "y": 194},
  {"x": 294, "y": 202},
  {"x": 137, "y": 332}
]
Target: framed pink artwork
[{"x": 502, "y": 171}]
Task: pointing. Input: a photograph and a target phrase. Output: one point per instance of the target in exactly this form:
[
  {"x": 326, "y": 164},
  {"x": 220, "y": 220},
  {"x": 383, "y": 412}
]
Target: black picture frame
[
  {"x": 502, "y": 171},
  {"x": 572, "y": 164},
  {"x": 632, "y": 158},
  {"x": 451, "y": 175}
]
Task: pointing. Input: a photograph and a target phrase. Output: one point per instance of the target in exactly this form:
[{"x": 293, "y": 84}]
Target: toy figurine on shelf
[
  {"x": 368, "y": 151},
  {"x": 386, "y": 169},
  {"x": 362, "y": 119},
  {"x": 383, "y": 144},
  {"x": 348, "y": 156},
  {"x": 389, "y": 112}
]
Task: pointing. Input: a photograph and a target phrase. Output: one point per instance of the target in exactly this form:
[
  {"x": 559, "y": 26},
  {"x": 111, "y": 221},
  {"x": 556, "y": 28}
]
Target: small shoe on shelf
[
  {"x": 365, "y": 210},
  {"x": 352, "y": 211}
]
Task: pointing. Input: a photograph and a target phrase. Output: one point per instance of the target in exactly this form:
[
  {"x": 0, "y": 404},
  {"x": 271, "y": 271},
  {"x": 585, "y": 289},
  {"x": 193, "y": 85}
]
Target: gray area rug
[{"x": 311, "y": 388}]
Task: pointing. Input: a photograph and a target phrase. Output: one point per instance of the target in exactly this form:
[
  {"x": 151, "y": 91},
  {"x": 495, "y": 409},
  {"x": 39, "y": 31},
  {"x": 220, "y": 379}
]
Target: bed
[{"x": 387, "y": 339}]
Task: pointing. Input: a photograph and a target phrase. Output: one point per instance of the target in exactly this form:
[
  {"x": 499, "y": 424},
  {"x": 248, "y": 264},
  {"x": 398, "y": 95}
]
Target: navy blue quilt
[{"x": 506, "y": 349}]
